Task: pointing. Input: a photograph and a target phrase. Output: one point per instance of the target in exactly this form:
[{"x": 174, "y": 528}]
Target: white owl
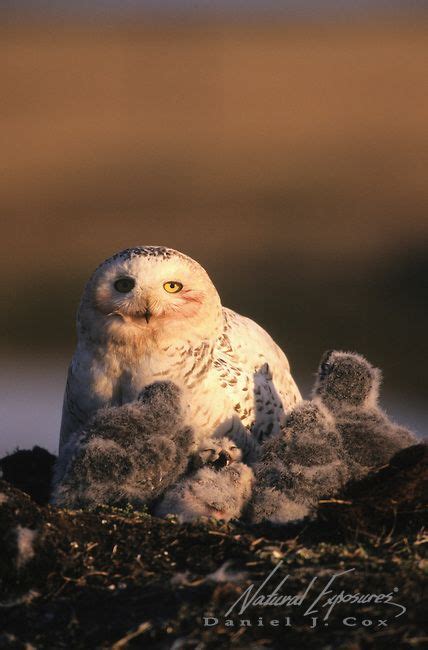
[
  {"x": 151, "y": 313},
  {"x": 220, "y": 486}
]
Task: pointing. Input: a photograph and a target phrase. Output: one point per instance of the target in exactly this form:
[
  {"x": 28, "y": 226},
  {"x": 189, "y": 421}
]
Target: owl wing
[
  {"x": 73, "y": 416},
  {"x": 256, "y": 360}
]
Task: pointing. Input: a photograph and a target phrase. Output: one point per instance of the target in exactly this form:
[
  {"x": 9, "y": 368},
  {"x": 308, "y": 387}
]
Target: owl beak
[
  {"x": 222, "y": 461},
  {"x": 147, "y": 314}
]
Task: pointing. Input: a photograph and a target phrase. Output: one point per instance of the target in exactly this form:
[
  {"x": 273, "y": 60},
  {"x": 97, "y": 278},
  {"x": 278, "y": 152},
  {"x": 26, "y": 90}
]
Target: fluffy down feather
[
  {"x": 220, "y": 488},
  {"x": 339, "y": 436},
  {"x": 348, "y": 386},
  {"x": 126, "y": 454}
]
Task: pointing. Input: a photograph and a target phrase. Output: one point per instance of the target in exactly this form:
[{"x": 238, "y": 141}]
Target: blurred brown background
[{"x": 288, "y": 155}]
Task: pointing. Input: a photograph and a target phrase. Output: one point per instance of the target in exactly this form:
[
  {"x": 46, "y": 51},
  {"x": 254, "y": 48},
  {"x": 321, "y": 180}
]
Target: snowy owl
[
  {"x": 125, "y": 454},
  {"x": 216, "y": 453},
  {"x": 152, "y": 314},
  {"x": 220, "y": 487},
  {"x": 299, "y": 466},
  {"x": 339, "y": 436},
  {"x": 348, "y": 386}
]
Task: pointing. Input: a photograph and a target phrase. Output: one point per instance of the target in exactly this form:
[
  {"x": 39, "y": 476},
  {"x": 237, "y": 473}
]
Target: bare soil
[{"x": 118, "y": 578}]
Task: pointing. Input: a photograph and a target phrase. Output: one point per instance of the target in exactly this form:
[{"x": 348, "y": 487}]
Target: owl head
[
  {"x": 347, "y": 380},
  {"x": 216, "y": 452},
  {"x": 149, "y": 293}
]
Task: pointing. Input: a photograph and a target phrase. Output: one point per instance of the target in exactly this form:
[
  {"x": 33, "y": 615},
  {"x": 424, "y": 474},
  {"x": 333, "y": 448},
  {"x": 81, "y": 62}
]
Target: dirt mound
[
  {"x": 392, "y": 500},
  {"x": 30, "y": 470},
  {"x": 118, "y": 578}
]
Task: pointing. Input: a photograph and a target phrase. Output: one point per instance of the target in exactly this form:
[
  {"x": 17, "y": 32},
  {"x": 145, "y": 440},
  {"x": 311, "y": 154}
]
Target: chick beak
[
  {"x": 222, "y": 461},
  {"x": 147, "y": 315}
]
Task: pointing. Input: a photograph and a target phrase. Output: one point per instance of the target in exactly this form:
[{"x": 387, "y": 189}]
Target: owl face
[
  {"x": 347, "y": 379},
  {"x": 217, "y": 452},
  {"x": 150, "y": 291}
]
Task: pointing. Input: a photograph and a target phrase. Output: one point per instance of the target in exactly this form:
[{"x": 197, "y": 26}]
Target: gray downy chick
[
  {"x": 125, "y": 454},
  {"x": 348, "y": 386},
  {"x": 299, "y": 466},
  {"x": 220, "y": 485}
]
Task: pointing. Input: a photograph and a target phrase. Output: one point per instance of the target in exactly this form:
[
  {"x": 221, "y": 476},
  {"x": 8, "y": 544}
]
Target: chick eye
[
  {"x": 124, "y": 285},
  {"x": 233, "y": 448},
  {"x": 172, "y": 287},
  {"x": 326, "y": 368}
]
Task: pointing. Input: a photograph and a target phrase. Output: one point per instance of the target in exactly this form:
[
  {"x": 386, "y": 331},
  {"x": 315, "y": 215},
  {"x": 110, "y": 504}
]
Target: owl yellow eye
[{"x": 172, "y": 287}]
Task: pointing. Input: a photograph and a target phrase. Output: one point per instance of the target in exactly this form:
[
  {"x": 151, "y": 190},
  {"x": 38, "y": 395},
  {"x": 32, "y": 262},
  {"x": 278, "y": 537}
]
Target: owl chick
[
  {"x": 216, "y": 453},
  {"x": 348, "y": 386},
  {"x": 339, "y": 436},
  {"x": 125, "y": 454},
  {"x": 151, "y": 313},
  {"x": 299, "y": 466},
  {"x": 220, "y": 487}
]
